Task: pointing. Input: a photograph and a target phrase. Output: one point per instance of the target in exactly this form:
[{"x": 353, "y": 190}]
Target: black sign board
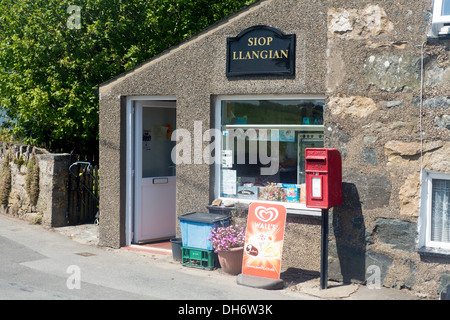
[{"x": 261, "y": 50}]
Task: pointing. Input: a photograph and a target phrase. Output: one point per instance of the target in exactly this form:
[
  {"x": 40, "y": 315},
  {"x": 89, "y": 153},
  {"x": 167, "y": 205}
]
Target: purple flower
[{"x": 222, "y": 238}]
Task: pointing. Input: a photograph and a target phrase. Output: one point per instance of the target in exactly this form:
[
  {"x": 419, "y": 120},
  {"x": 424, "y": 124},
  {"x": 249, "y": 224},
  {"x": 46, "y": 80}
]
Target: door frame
[{"x": 131, "y": 177}]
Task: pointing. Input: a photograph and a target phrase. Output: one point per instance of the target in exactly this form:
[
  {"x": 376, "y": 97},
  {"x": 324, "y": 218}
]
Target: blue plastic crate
[{"x": 196, "y": 228}]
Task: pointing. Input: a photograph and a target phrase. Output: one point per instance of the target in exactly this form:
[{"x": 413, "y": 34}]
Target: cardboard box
[{"x": 292, "y": 192}]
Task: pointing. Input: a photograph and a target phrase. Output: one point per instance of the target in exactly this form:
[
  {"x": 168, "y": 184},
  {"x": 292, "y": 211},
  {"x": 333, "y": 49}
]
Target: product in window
[
  {"x": 292, "y": 192},
  {"x": 302, "y": 193},
  {"x": 247, "y": 192},
  {"x": 272, "y": 192}
]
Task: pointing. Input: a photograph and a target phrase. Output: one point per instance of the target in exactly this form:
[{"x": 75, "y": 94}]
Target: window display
[{"x": 262, "y": 134}]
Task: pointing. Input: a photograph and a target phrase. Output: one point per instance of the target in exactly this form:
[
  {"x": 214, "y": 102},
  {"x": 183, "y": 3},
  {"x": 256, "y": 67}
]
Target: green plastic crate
[{"x": 198, "y": 258}]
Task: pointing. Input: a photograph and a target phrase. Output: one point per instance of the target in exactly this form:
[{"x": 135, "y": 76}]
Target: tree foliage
[{"x": 49, "y": 72}]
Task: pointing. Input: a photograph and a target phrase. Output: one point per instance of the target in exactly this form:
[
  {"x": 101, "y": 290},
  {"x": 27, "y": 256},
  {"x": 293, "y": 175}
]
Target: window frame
[
  {"x": 437, "y": 13},
  {"x": 292, "y": 208},
  {"x": 425, "y": 214}
]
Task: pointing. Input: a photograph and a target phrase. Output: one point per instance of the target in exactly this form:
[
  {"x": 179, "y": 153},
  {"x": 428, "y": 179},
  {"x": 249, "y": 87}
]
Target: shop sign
[
  {"x": 264, "y": 240},
  {"x": 261, "y": 50}
]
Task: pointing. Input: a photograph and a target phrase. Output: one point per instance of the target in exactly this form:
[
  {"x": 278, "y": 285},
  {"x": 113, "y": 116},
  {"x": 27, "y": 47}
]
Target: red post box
[{"x": 323, "y": 170}]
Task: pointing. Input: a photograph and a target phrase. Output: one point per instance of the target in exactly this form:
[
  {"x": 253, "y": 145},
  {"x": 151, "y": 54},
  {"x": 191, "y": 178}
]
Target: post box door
[{"x": 316, "y": 190}]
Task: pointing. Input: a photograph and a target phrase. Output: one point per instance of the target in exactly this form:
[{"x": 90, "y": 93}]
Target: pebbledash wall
[{"x": 386, "y": 86}]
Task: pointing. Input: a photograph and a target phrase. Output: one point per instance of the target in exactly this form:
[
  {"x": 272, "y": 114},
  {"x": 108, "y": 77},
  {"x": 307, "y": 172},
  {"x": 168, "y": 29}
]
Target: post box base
[{"x": 259, "y": 282}]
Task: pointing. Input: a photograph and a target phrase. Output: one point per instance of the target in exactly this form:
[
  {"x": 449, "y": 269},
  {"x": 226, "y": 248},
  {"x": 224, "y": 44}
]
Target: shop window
[
  {"x": 263, "y": 147},
  {"x": 441, "y": 17},
  {"x": 434, "y": 230}
]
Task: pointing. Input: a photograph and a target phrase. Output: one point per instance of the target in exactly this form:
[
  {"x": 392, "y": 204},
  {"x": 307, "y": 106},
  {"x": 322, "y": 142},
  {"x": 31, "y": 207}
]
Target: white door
[{"x": 155, "y": 214}]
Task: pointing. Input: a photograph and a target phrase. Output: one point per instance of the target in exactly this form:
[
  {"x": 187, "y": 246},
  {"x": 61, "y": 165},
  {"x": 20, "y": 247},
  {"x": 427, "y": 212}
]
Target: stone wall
[
  {"x": 388, "y": 114},
  {"x": 34, "y": 184}
]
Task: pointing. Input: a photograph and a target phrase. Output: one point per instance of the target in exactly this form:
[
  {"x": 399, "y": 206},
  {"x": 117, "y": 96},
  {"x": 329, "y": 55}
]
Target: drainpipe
[{"x": 421, "y": 103}]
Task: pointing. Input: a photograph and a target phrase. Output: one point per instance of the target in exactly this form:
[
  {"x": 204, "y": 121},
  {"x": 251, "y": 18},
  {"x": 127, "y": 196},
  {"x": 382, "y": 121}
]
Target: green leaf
[{"x": 48, "y": 71}]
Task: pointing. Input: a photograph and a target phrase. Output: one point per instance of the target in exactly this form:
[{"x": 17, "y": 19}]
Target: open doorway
[{"x": 151, "y": 192}]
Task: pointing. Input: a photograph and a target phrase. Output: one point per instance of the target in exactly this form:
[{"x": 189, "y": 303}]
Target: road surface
[{"x": 38, "y": 263}]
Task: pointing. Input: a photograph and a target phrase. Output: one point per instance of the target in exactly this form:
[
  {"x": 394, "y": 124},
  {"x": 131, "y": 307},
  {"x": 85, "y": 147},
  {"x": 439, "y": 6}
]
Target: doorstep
[{"x": 163, "y": 247}]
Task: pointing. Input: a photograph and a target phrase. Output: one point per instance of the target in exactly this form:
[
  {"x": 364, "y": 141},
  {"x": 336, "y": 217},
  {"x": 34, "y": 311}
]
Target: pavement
[
  {"x": 307, "y": 288},
  {"x": 88, "y": 234}
]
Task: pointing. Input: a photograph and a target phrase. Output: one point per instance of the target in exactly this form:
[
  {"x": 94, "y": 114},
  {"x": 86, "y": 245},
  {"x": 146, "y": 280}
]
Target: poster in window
[
  {"x": 287, "y": 135},
  {"x": 229, "y": 181},
  {"x": 160, "y": 133},
  {"x": 227, "y": 158}
]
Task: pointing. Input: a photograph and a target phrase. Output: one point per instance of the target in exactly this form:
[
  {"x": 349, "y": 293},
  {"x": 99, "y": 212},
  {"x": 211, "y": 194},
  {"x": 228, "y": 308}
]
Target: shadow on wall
[{"x": 347, "y": 253}]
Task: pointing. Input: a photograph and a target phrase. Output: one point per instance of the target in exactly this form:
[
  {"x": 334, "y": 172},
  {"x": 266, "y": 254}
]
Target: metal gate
[{"x": 83, "y": 193}]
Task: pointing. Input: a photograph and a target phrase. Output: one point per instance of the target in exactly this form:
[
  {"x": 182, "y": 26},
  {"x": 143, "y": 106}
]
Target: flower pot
[{"x": 231, "y": 260}]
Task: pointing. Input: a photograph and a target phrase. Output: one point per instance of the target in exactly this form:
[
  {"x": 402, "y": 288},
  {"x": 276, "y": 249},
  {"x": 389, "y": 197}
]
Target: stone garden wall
[{"x": 33, "y": 184}]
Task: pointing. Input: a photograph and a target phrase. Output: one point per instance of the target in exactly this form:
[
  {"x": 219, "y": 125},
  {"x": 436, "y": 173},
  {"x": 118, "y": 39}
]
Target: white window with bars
[
  {"x": 441, "y": 11},
  {"x": 434, "y": 220},
  {"x": 440, "y": 211},
  {"x": 441, "y": 17}
]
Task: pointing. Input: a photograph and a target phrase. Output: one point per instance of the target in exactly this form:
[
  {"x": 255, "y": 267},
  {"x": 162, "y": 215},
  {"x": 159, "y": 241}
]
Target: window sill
[
  {"x": 434, "y": 252},
  {"x": 291, "y": 208},
  {"x": 438, "y": 38}
]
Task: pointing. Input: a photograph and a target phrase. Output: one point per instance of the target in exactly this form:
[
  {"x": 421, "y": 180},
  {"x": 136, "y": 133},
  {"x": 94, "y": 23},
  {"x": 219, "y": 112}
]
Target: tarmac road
[{"x": 39, "y": 264}]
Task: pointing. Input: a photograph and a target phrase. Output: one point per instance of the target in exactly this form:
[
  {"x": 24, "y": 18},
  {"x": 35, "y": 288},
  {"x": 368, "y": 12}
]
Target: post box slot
[
  {"x": 317, "y": 161},
  {"x": 313, "y": 165},
  {"x": 313, "y": 157}
]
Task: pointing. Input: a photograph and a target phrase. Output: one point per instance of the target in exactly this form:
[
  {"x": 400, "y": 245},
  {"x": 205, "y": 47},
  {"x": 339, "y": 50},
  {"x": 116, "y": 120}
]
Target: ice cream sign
[{"x": 264, "y": 240}]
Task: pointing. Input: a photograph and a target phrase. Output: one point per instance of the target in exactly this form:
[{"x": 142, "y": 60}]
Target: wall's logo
[{"x": 266, "y": 214}]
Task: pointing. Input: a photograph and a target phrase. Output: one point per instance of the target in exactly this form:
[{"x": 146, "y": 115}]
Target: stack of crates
[{"x": 197, "y": 251}]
